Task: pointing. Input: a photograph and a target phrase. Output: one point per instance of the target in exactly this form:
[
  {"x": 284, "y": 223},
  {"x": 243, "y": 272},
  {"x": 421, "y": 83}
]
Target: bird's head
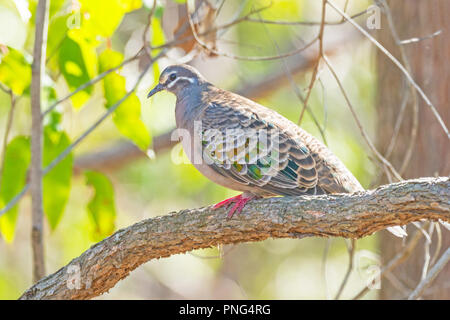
[{"x": 176, "y": 78}]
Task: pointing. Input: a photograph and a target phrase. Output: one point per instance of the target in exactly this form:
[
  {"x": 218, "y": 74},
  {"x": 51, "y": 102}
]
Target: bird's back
[{"x": 306, "y": 166}]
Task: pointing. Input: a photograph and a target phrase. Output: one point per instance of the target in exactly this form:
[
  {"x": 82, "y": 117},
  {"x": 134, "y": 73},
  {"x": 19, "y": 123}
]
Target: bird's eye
[{"x": 172, "y": 77}]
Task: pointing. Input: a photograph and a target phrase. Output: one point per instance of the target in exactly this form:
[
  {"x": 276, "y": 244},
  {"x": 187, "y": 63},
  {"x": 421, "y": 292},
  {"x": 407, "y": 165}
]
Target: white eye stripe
[{"x": 170, "y": 85}]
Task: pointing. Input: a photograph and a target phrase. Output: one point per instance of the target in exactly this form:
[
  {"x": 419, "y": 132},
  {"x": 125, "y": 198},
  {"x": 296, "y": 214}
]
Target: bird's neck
[{"x": 190, "y": 103}]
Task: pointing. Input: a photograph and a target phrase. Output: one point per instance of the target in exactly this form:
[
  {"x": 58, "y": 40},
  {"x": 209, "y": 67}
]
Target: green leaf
[
  {"x": 55, "y": 6},
  {"x": 127, "y": 116},
  {"x": 157, "y": 36},
  {"x": 57, "y": 32},
  {"x": 101, "y": 207},
  {"x": 74, "y": 70},
  {"x": 56, "y": 183},
  {"x": 159, "y": 11},
  {"x": 15, "y": 71},
  {"x": 105, "y": 15},
  {"x": 14, "y": 173}
]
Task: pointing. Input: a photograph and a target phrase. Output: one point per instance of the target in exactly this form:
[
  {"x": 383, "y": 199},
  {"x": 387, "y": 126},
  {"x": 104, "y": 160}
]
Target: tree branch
[
  {"x": 37, "y": 73},
  {"x": 425, "y": 283},
  {"x": 345, "y": 215}
]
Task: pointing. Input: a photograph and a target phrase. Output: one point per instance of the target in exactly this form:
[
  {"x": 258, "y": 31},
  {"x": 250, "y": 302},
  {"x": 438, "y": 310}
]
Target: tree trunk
[{"x": 430, "y": 156}]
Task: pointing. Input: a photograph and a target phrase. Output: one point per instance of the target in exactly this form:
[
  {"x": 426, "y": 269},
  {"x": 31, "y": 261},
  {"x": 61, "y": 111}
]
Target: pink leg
[{"x": 239, "y": 203}]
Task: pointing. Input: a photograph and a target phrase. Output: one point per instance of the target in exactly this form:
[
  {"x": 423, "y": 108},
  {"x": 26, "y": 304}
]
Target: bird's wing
[{"x": 240, "y": 145}]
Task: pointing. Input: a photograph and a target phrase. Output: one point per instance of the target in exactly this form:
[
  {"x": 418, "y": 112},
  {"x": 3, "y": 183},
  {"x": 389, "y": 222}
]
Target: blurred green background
[{"x": 85, "y": 207}]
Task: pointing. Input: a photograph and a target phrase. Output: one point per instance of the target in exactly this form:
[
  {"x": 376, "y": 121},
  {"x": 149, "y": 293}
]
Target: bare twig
[
  {"x": 90, "y": 83},
  {"x": 425, "y": 283},
  {"x": 148, "y": 47},
  {"x": 398, "y": 123},
  {"x": 316, "y": 67},
  {"x": 351, "y": 254},
  {"x": 399, "y": 258},
  {"x": 304, "y": 23},
  {"x": 324, "y": 266},
  {"x": 295, "y": 87},
  {"x": 438, "y": 245},
  {"x": 398, "y": 64},
  {"x": 110, "y": 110},
  {"x": 414, "y": 40},
  {"x": 236, "y": 57},
  {"x": 38, "y": 70},
  {"x": 415, "y": 102},
  {"x": 235, "y": 21},
  {"x": 344, "y": 215},
  {"x": 361, "y": 128}
]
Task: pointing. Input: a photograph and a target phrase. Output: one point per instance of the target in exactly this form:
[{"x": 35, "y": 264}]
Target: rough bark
[
  {"x": 431, "y": 153},
  {"x": 345, "y": 215}
]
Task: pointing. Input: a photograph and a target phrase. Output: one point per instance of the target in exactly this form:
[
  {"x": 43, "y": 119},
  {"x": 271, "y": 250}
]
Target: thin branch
[
  {"x": 236, "y": 57},
  {"x": 344, "y": 215},
  {"x": 351, "y": 253},
  {"x": 90, "y": 83},
  {"x": 425, "y": 283},
  {"x": 148, "y": 47},
  {"x": 398, "y": 64},
  {"x": 5, "y": 89},
  {"x": 37, "y": 74},
  {"x": 427, "y": 245},
  {"x": 295, "y": 87},
  {"x": 399, "y": 258},
  {"x": 414, "y": 40},
  {"x": 224, "y": 27},
  {"x": 110, "y": 110},
  {"x": 438, "y": 245},
  {"x": 398, "y": 123},
  {"x": 345, "y": 10},
  {"x": 324, "y": 266},
  {"x": 304, "y": 23},
  {"x": 415, "y": 102},
  {"x": 316, "y": 67},
  {"x": 361, "y": 128}
]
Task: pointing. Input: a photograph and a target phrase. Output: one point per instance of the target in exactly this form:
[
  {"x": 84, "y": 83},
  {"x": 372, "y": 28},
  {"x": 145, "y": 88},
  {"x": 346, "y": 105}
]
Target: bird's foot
[{"x": 239, "y": 203}]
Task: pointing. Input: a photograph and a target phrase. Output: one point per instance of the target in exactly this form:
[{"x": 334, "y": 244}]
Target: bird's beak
[{"x": 156, "y": 89}]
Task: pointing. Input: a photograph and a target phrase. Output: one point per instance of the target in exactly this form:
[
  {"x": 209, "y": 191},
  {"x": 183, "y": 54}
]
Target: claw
[
  {"x": 239, "y": 203},
  {"x": 227, "y": 202}
]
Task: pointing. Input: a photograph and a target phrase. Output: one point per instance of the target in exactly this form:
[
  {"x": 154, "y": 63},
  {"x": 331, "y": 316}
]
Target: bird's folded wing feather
[{"x": 240, "y": 145}]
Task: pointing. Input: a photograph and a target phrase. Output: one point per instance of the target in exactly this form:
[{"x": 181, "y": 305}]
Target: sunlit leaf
[
  {"x": 74, "y": 70},
  {"x": 14, "y": 173},
  {"x": 15, "y": 71},
  {"x": 57, "y": 32},
  {"x": 157, "y": 34},
  {"x": 159, "y": 11},
  {"x": 156, "y": 71},
  {"x": 56, "y": 183},
  {"x": 102, "y": 17},
  {"x": 127, "y": 116},
  {"x": 101, "y": 207},
  {"x": 12, "y": 25},
  {"x": 55, "y": 6}
]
